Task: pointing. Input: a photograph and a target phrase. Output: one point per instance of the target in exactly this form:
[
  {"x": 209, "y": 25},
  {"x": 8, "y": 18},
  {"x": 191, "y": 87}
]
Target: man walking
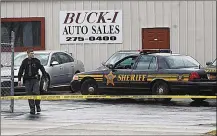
[{"x": 31, "y": 78}]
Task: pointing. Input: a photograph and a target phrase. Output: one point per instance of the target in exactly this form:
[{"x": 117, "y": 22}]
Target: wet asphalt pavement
[{"x": 114, "y": 117}]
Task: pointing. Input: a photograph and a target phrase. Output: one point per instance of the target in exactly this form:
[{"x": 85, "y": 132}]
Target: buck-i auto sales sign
[{"x": 94, "y": 26}]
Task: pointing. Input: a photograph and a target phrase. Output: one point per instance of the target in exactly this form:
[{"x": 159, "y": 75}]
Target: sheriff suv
[{"x": 150, "y": 72}]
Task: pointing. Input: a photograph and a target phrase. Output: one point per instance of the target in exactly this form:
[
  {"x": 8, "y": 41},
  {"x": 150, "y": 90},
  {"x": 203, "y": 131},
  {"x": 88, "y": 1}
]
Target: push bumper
[{"x": 75, "y": 85}]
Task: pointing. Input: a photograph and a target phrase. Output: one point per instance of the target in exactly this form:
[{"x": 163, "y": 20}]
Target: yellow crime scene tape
[{"x": 74, "y": 97}]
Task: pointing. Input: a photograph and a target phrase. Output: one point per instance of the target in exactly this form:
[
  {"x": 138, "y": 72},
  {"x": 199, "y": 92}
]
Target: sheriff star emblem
[
  {"x": 110, "y": 78},
  {"x": 180, "y": 77}
]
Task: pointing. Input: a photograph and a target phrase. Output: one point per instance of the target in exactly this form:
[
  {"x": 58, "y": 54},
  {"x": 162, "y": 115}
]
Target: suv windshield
[
  {"x": 214, "y": 63},
  {"x": 42, "y": 57},
  {"x": 118, "y": 56},
  {"x": 176, "y": 62}
]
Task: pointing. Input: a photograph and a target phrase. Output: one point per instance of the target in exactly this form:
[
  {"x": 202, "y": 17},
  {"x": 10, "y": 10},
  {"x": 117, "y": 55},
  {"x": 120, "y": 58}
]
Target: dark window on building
[{"x": 29, "y": 33}]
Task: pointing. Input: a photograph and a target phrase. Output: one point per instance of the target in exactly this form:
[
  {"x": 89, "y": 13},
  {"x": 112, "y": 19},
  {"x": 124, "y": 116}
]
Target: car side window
[
  {"x": 189, "y": 62},
  {"x": 54, "y": 57},
  {"x": 126, "y": 63},
  {"x": 162, "y": 64},
  {"x": 146, "y": 62},
  {"x": 64, "y": 58},
  {"x": 70, "y": 58}
]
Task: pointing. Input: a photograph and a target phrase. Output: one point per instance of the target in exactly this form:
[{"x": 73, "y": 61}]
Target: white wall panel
[
  {"x": 199, "y": 37},
  {"x": 25, "y": 9},
  {"x": 213, "y": 30},
  {"x": 3, "y": 9},
  {"x": 33, "y": 8},
  {"x": 55, "y": 25},
  {"x": 167, "y": 14},
  {"x": 126, "y": 25},
  {"x": 192, "y": 25},
  {"x": 17, "y": 11},
  {"x": 49, "y": 30},
  {"x": 159, "y": 13},
  {"x": 174, "y": 28},
  {"x": 41, "y": 9},
  {"x": 150, "y": 14},
  {"x": 183, "y": 20},
  {"x": 135, "y": 26},
  {"x": 191, "y": 28},
  {"x": 208, "y": 30},
  {"x": 9, "y": 10}
]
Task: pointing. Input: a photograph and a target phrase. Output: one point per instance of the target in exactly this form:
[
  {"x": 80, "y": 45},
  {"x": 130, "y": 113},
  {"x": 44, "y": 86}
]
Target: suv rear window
[{"x": 176, "y": 62}]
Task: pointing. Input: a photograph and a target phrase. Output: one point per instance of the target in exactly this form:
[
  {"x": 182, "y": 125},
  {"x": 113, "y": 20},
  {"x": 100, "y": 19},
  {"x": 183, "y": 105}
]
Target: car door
[
  {"x": 57, "y": 70},
  {"x": 67, "y": 67},
  {"x": 119, "y": 76},
  {"x": 144, "y": 67}
]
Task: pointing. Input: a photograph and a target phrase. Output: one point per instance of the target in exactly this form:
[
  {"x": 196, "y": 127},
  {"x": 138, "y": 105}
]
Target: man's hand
[{"x": 19, "y": 83}]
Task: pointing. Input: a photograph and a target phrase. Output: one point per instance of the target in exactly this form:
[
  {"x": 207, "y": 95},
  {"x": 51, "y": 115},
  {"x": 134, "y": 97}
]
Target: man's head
[{"x": 30, "y": 53}]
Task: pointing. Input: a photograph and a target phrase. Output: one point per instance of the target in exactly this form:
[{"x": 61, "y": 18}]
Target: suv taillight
[{"x": 194, "y": 75}]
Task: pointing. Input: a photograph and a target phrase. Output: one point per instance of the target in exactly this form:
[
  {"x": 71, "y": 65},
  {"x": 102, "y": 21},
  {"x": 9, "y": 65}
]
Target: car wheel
[
  {"x": 161, "y": 88},
  {"x": 89, "y": 87}
]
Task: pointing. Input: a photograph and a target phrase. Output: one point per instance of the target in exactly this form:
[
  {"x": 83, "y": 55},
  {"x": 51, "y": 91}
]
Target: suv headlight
[{"x": 75, "y": 77}]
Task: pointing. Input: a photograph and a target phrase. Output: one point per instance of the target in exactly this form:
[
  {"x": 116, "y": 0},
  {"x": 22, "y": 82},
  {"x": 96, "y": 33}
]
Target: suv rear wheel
[{"x": 161, "y": 88}]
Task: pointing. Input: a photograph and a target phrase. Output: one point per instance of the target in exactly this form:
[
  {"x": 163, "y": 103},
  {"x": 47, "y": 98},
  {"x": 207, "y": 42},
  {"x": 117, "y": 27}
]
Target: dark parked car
[{"x": 150, "y": 72}]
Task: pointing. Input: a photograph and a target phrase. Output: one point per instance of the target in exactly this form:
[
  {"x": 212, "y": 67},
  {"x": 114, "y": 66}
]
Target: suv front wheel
[{"x": 89, "y": 87}]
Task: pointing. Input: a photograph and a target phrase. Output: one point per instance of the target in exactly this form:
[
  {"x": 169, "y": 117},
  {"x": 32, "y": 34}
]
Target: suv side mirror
[
  {"x": 54, "y": 63},
  {"x": 103, "y": 63},
  {"x": 208, "y": 63},
  {"x": 110, "y": 66}
]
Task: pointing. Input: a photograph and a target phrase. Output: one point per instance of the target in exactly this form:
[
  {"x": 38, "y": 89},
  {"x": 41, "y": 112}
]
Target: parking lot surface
[{"x": 111, "y": 117}]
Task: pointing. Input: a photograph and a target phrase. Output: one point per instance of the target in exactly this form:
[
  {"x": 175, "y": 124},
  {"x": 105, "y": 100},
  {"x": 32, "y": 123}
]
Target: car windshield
[
  {"x": 43, "y": 57},
  {"x": 117, "y": 56},
  {"x": 176, "y": 62}
]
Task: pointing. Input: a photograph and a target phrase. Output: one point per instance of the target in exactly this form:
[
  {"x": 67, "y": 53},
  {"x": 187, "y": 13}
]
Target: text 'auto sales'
[{"x": 91, "y": 26}]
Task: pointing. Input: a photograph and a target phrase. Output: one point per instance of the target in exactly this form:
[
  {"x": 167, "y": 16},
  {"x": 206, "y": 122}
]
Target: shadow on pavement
[
  {"x": 152, "y": 102},
  {"x": 36, "y": 117}
]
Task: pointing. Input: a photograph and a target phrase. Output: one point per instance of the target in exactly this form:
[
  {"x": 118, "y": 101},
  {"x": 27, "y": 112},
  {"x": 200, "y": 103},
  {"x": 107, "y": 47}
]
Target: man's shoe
[
  {"x": 38, "y": 109},
  {"x": 32, "y": 112}
]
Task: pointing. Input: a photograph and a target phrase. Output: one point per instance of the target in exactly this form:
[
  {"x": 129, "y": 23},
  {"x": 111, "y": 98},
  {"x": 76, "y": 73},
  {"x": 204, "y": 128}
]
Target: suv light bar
[{"x": 149, "y": 51}]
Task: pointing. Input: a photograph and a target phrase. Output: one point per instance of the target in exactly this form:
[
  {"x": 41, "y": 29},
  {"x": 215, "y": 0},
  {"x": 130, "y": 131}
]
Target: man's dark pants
[{"x": 32, "y": 88}]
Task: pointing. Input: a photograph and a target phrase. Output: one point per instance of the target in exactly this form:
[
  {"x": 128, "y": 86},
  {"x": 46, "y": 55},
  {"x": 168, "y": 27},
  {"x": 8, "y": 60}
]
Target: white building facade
[{"x": 190, "y": 26}]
